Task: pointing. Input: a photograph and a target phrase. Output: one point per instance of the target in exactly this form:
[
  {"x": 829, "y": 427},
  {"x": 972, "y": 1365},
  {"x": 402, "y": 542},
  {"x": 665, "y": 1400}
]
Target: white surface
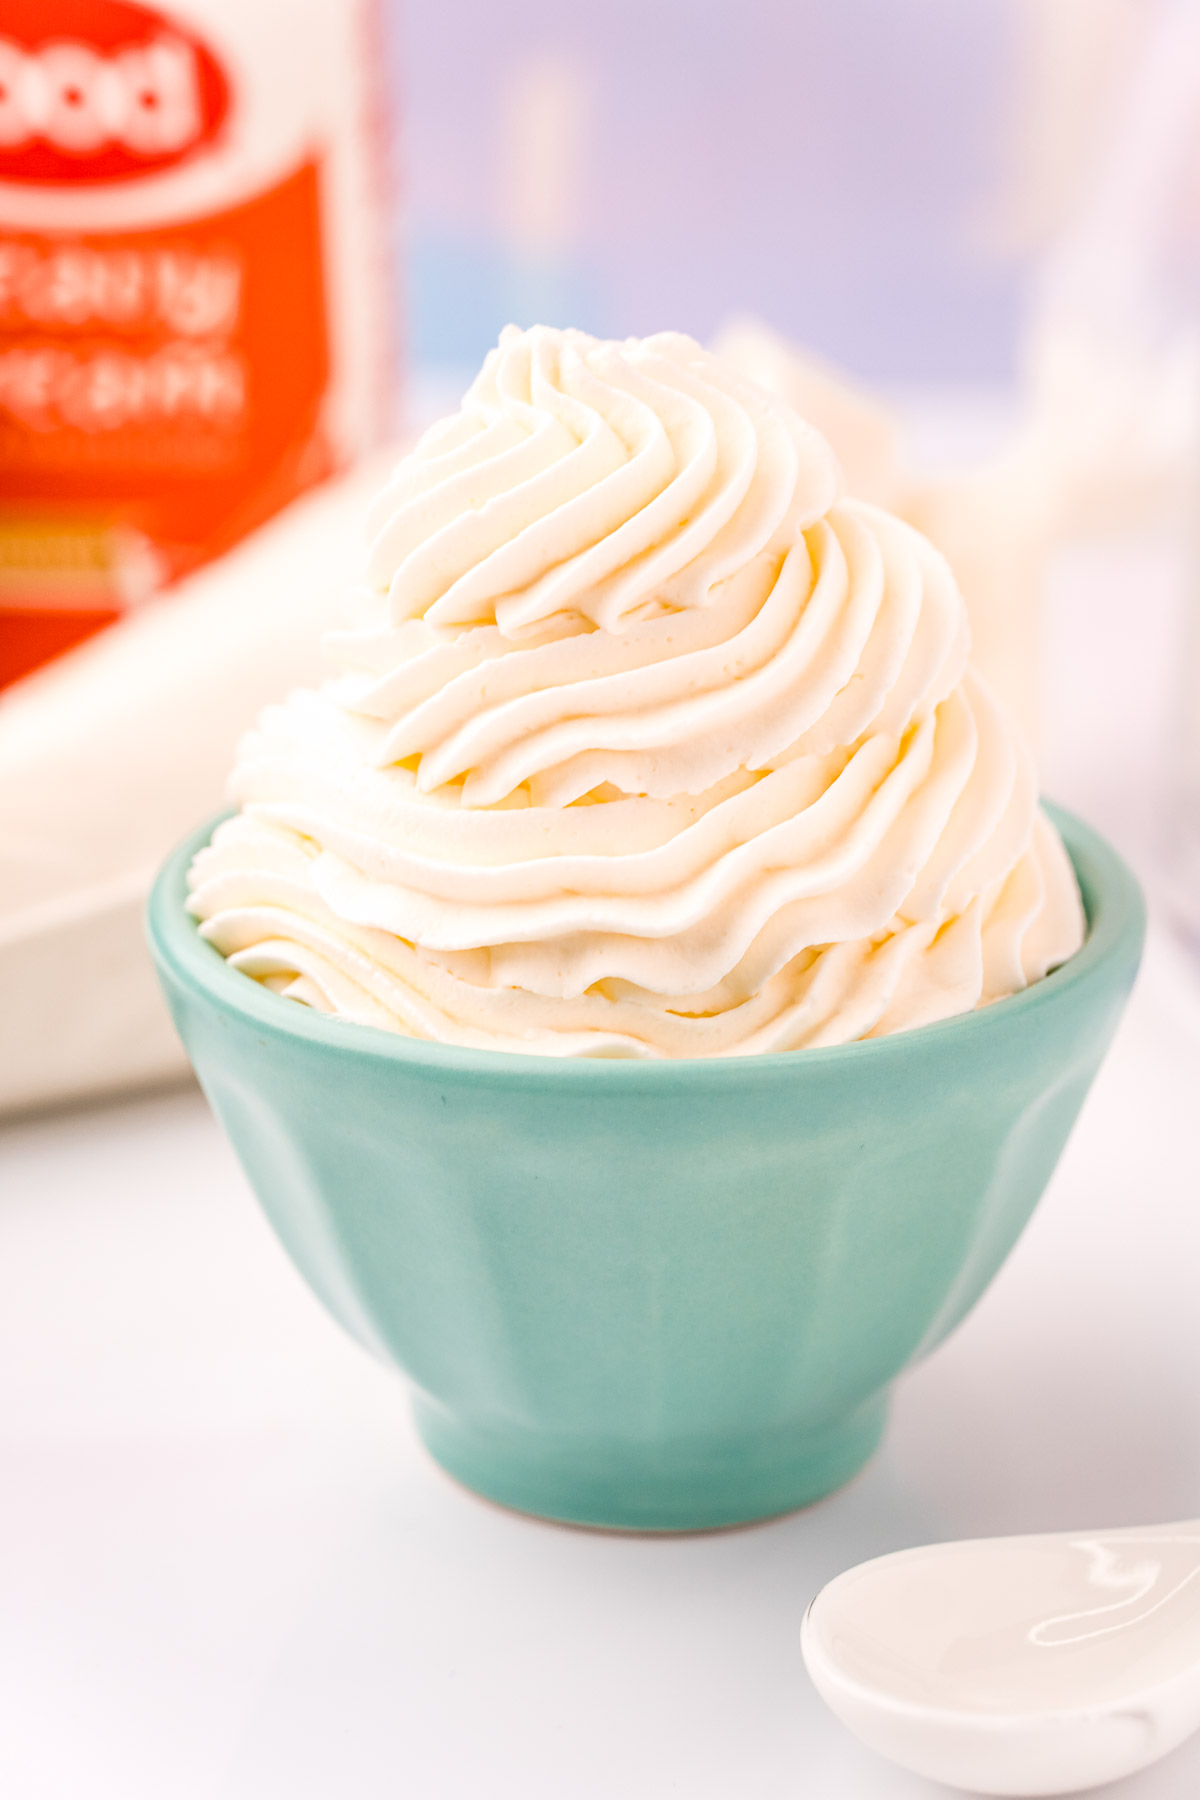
[{"x": 229, "y": 1572}]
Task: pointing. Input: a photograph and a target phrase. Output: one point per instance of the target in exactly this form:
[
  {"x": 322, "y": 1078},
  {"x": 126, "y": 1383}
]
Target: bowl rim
[{"x": 1113, "y": 904}]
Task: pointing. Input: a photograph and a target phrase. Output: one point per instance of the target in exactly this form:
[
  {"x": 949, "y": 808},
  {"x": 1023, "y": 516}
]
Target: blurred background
[
  {"x": 876, "y": 179},
  {"x": 248, "y": 249}
]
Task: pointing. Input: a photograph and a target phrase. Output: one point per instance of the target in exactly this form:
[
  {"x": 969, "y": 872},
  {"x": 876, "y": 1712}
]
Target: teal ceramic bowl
[{"x": 656, "y": 1296}]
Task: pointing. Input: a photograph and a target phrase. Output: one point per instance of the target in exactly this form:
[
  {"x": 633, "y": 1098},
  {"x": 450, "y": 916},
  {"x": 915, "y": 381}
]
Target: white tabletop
[{"x": 229, "y": 1569}]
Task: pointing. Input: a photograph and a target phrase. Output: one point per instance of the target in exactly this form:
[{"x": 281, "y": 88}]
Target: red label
[
  {"x": 102, "y": 90},
  {"x": 160, "y": 394}
]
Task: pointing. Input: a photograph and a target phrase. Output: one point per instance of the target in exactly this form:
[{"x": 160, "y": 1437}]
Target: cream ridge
[{"x": 644, "y": 741}]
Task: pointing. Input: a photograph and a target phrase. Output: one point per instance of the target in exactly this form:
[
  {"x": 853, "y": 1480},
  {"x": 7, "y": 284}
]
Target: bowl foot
[{"x": 681, "y": 1485}]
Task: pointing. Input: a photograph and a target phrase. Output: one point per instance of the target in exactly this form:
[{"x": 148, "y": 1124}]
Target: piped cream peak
[{"x": 624, "y": 575}]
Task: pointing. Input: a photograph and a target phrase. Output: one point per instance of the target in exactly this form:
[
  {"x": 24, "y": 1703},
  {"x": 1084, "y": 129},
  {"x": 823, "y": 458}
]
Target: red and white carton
[{"x": 194, "y": 304}]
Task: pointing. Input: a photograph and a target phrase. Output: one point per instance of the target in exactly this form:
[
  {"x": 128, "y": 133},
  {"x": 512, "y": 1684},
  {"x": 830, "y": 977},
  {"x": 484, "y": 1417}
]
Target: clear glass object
[{"x": 1183, "y": 849}]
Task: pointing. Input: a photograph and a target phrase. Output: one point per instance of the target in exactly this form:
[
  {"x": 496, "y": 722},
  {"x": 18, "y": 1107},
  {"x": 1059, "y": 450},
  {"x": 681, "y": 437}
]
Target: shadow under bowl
[{"x": 663, "y": 1295}]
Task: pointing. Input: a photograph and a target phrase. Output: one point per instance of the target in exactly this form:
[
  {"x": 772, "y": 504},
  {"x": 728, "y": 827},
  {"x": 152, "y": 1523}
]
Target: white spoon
[{"x": 1029, "y": 1665}]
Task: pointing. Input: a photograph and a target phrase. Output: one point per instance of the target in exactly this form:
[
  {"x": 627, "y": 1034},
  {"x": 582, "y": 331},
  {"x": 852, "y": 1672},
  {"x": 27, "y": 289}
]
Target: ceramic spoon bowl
[{"x": 1028, "y": 1665}]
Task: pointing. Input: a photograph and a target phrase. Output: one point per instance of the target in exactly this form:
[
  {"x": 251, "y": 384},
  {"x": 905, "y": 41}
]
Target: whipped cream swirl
[{"x": 644, "y": 742}]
